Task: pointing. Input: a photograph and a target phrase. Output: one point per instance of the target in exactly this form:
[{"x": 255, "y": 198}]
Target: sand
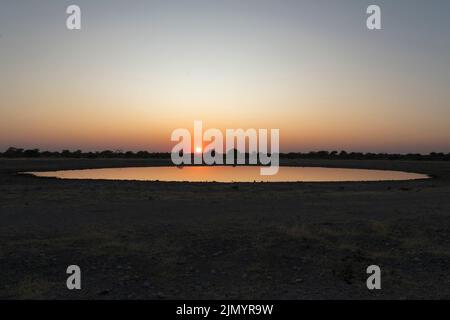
[{"x": 150, "y": 240}]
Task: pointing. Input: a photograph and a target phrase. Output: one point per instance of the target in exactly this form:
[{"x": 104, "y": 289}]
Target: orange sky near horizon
[{"x": 135, "y": 73}]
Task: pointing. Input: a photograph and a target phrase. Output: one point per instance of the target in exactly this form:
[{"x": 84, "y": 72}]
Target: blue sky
[{"x": 139, "y": 69}]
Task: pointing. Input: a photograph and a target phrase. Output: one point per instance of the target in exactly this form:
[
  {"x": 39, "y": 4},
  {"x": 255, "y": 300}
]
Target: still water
[{"x": 232, "y": 174}]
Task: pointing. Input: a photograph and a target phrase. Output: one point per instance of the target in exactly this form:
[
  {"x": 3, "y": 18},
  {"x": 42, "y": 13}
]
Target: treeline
[
  {"x": 435, "y": 156},
  {"x": 36, "y": 153}
]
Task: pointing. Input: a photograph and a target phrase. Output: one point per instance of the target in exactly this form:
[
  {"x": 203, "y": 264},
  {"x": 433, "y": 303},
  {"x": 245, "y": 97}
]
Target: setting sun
[{"x": 198, "y": 150}]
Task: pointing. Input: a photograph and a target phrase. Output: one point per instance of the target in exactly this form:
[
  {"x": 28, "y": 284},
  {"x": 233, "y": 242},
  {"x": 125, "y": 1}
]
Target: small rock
[{"x": 103, "y": 292}]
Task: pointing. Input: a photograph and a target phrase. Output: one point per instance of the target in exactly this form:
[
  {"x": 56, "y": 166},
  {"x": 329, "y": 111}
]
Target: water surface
[{"x": 233, "y": 174}]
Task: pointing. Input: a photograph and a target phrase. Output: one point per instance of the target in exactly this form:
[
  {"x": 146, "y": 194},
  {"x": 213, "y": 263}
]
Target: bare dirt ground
[{"x": 154, "y": 240}]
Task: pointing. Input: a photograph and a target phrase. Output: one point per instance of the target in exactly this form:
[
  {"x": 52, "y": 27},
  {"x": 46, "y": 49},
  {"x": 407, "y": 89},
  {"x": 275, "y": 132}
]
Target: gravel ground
[{"x": 154, "y": 240}]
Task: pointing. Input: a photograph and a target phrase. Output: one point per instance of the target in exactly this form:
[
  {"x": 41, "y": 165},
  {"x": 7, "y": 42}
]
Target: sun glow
[{"x": 198, "y": 150}]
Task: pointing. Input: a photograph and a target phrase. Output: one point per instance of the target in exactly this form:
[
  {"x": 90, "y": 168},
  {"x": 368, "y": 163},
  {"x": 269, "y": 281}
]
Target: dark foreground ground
[{"x": 153, "y": 240}]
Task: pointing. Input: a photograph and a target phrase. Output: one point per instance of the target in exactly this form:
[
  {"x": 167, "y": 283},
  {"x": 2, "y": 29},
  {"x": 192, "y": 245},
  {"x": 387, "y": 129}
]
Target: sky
[{"x": 139, "y": 69}]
